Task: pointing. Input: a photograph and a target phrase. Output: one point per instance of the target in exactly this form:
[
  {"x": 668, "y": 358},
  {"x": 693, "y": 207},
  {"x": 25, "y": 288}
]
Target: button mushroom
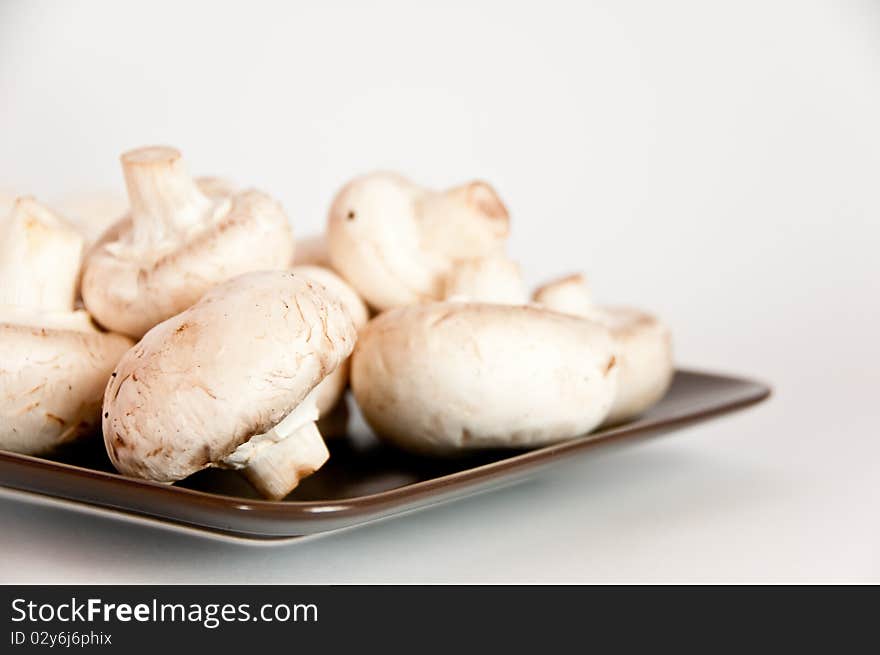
[
  {"x": 396, "y": 242},
  {"x": 228, "y": 382},
  {"x": 440, "y": 378},
  {"x": 644, "y": 344},
  {"x": 54, "y": 362},
  {"x": 177, "y": 242},
  {"x": 329, "y": 392}
]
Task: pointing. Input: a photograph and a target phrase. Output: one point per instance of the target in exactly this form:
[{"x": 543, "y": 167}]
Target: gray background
[{"x": 715, "y": 162}]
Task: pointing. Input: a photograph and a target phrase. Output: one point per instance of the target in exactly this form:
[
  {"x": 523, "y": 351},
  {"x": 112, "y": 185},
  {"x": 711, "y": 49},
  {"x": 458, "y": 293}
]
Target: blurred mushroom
[
  {"x": 396, "y": 242},
  {"x": 312, "y": 251},
  {"x": 644, "y": 345},
  {"x": 54, "y": 362},
  {"x": 441, "y": 378},
  {"x": 228, "y": 382},
  {"x": 92, "y": 212},
  {"x": 177, "y": 242},
  {"x": 486, "y": 279}
]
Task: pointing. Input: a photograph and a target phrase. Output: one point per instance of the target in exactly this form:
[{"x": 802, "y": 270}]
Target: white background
[{"x": 716, "y": 162}]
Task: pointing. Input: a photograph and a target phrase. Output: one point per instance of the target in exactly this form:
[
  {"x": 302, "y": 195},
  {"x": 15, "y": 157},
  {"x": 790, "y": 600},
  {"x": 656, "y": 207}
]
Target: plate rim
[{"x": 319, "y": 512}]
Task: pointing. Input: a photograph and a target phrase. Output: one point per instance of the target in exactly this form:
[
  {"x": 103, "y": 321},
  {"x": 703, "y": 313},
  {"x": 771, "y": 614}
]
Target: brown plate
[{"x": 364, "y": 479}]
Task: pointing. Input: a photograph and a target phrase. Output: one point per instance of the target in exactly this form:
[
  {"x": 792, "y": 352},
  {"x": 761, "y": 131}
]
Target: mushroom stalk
[
  {"x": 277, "y": 469},
  {"x": 275, "y": 462},
  {"x": 39, "y": 260},
  {"x": 165, "y": 200}
]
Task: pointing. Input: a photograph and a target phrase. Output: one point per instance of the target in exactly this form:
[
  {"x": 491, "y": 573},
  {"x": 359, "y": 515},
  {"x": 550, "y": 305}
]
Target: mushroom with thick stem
[
  {"x": 179, "y": 239},
  {"x": 229, "y": 382},
  {"x": 54, "y": 362},
  {"x": 396, "y": 242},
  {"x": 446, "y": 377},
  {"x": 644, "y": 344}
]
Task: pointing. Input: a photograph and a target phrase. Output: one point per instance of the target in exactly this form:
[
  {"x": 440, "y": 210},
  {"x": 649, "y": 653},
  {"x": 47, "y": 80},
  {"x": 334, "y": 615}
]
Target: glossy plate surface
[{"x": 364, "y": 480}]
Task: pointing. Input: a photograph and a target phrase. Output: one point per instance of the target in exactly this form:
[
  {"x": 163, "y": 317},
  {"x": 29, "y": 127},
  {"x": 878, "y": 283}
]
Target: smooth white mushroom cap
[
  {"x": 646, "y": 363},
  {"x": 395, "y": 242},
  {"x": 54, "y": 363},
  {"x": 440, "y": 378},
  {"x": 177, "y": 242},
  {"x": 644, "y": 345},
  {"x": 201, "y": 385}
]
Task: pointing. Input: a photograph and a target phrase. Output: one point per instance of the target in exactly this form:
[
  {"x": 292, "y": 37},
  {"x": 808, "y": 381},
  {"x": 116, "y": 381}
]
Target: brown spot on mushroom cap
[{"x": 52, "y": 417}]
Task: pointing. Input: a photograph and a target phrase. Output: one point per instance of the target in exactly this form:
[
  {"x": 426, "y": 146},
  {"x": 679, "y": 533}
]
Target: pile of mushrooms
[{"x": 247, "y": 340}]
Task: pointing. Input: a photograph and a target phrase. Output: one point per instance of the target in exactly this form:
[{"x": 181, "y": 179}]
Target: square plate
[{"x": 364, "y": 480}]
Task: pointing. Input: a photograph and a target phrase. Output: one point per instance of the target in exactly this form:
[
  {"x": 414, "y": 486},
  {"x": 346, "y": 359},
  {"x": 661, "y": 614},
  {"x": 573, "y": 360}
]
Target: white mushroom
[
  {"x": 486, "y": 279},
  {"x": 330, "y": 391},
  {"x": 440, "y": 378},
  {"x": 54, "y": 362},
  {"x": 644, "y": 345},
  {"x": 396, "y": 242},
  {"x": 228, "y": 382},
  {"x": 177, "y": 242}
]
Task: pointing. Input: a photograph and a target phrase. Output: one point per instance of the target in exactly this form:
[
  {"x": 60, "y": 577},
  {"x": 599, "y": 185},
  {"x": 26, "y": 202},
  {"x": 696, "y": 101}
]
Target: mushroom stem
[
  {"x": 39, "y": 259},
  {"x": 165, "y": 200},
  {"x": 276, "y": 470}
]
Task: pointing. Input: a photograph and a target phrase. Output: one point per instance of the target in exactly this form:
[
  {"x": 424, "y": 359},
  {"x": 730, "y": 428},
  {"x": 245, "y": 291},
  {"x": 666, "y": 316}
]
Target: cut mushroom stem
[
  {"x": 275, "y": 462},
  {"x": 277, "y": 469},
  {"x": 39, "y": 259},
  {"x": 165, "y": 200}
]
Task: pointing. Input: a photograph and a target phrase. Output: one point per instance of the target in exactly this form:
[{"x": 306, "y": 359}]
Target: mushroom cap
[
  {"x": 329, "y": 392},
  {"x": 232, "y": 366},
  {"x": 644, "y": 346},
  {"x": 395, "y": 242},
  {"x": 51, "y": 383},
  {"x": 341, "y": 289},
  {"x": 130, "y": 292},
  {"x": 440, "y": 378}
]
